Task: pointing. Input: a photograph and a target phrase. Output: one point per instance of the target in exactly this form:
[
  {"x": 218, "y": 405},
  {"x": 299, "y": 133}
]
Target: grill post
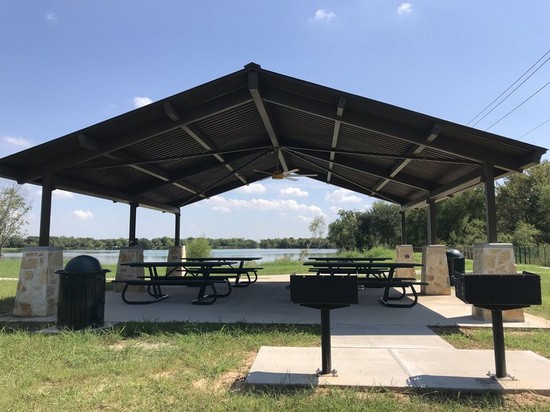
[
  {"x": 326, "y": 357},
  {"x": 498, "y": 343}
]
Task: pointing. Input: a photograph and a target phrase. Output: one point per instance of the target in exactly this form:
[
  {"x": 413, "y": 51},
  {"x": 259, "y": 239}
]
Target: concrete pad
[
  {"x": 359, "y": 336},
  {"x": 298, "y": 366},
  {"x": 402, "y": 369},
  {"x": 472, "y": 370}
]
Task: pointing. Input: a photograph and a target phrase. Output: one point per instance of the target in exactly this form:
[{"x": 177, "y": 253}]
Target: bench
[
  {"x": 386, "y": 284},
  {"x": 378, "y": 273},
  {"x": 154, "y": 290},
  {"x": 251, "y": 274}
]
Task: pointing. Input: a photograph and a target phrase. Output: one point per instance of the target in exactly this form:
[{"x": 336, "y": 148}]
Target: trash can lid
[
  {"x": 83, "y": 263},
  {"x": 453, "y": 253}
]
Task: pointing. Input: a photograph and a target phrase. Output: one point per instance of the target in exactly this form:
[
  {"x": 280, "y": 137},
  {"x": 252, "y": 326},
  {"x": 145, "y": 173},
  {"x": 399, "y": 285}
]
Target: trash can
[
  {"x": 81, "y": 299},
  {"x": 455, "y": 262}
]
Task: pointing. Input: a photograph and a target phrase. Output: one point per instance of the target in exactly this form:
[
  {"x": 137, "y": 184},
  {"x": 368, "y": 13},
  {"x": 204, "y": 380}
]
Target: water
[{"x": 110, "y": 257}]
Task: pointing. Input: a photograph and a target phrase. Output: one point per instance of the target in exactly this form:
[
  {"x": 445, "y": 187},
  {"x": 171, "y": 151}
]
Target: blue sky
[{"x": 68, "y": 64}]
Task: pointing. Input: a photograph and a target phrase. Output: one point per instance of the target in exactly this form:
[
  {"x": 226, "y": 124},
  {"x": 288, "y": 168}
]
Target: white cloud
[
  {"x": 51, "y": 17},
  {"x": 16, "y": 141},
  {"x": 142, "y": 101},
  {"x": 404, "y": 9},
  {"x": 222, "y": 204},
  {"x": 342, "y": 196},
  {"x": 62, "y": 194},
  {"x": 252, "y": 188},
  {"x": 82, "y": 214},
  {"x": 324, "y": 15},
  {"x": 293, "y": 191}
]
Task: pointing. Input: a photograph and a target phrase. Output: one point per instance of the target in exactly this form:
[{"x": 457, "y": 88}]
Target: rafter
[
  {"x": 336, "y": 134},
  {"x": 254, "y": 88},
  {"x": 413, "y": 150}
]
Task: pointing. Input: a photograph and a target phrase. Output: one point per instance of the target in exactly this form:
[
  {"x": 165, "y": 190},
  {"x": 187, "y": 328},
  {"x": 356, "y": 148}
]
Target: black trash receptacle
[
  {"x": 81, "y": 299},
  {"x": 455, "y": 262}
]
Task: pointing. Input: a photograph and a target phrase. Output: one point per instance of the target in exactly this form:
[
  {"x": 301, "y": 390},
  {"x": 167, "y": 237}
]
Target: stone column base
[
  {"x": 496, "y": 258},
  {"x": 38, "y": 286},
  {"x": 512, "y": 315},
  {"x": 176, "y": 253},
  {"x": 404, "y": 254},
  {"x": 126, "y": 255},
  {"x": 435, "y": 271}
]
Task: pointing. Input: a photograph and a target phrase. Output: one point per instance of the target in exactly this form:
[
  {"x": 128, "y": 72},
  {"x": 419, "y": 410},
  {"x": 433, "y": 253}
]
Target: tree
[
  {"x": 525, "y": 198},
  {"x": 385, "y": 223},
  {"x": 316, "y": 228},
  {"x": 198, "y": 248},
  {"x": 13, "y": 208},
  {"x": 343, "y": 231}
]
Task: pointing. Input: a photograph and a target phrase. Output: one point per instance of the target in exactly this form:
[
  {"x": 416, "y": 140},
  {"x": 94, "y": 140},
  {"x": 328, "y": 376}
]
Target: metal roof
[{"x": 225, "y": 133}]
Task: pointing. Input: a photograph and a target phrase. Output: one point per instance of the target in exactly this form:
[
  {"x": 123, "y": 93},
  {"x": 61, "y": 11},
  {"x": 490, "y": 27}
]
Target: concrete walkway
[{"x": 372, "y": 345}]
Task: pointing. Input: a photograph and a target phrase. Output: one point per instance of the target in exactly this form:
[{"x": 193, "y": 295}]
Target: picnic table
[
  {"x": 373, "y": 275},
  {"x": 202, "y": 278},
  {"x": 350, "y": 259},
  {"x": 234, "y": 268}
]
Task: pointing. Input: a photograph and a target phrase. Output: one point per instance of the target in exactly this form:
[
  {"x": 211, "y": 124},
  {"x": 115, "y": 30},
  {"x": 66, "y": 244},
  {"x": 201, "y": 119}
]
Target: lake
[{"x": 110, "y": 257}]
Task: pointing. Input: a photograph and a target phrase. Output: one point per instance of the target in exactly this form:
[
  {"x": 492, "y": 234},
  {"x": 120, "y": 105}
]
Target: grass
[{"x": 182, "y": 366}]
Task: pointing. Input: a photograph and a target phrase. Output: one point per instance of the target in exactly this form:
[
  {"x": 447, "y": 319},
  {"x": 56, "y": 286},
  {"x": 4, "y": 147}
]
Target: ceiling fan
[{"x": 289, "y": 174}]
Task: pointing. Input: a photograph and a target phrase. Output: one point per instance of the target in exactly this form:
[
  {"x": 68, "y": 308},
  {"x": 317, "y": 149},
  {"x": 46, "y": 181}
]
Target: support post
[
  {"x": 46, "y": 211},
  {"x": 490, "y": 202},
  {"x": 177, "y": 240},
  {"x": 403, "y": 228},
  {"x": 132, "y": 239},
  {"x": 432, "y": 232}
]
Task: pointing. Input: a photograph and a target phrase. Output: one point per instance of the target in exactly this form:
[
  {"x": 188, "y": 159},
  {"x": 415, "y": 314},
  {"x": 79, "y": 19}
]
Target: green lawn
[{"x": 185, "y": 367}]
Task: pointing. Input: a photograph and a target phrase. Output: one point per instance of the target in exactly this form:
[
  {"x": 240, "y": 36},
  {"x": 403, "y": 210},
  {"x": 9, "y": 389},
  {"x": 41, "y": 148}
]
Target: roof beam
[
  {"x": 413, "y": 150},
  {"x": 147, "y": 169},
  {"x": 382, "y": 155},
  {"x": 336, "y": 134},
  {"x": 362, "y": 167},
  {"x": 204, "y": 192},
  {"x": 363, "y": 189},
  {"x": 254, "y": 88},
  {"x": 385, "y": 127},
  {"x": 88, "y": 189},
  {"x": 211, "y": 146},
  {"x": 121, "y": 140}
]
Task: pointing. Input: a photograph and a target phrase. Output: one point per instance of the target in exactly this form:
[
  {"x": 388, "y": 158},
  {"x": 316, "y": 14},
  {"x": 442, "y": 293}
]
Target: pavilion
[{"x": 231, "y": 131}]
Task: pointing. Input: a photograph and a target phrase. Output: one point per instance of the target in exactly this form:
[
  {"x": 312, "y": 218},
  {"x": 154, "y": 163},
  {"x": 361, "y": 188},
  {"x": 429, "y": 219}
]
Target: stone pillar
[
  {"x": 176, "y": 253},
  {"x": 126, "y": 255},
  {"x": 496, "y": 258},
  {"x": 404, "y": 254},
  {"x": 435, "y": 271},
  {"x": 38, "y": 285}
]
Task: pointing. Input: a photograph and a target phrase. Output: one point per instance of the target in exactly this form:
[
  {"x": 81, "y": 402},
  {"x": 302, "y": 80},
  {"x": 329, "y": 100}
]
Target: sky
[{"x": 69, "y": 64}]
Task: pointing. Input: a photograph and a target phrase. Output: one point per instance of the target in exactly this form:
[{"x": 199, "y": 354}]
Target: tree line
[
  {"x": 70, "y": 242},
  {"x": 523, "y": 217}
]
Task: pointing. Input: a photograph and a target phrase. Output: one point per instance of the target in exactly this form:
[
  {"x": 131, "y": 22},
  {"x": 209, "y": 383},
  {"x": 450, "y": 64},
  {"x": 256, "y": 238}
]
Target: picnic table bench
[
  {"x": 202, "y": 279},
  {"x": 153, "y": 288}
]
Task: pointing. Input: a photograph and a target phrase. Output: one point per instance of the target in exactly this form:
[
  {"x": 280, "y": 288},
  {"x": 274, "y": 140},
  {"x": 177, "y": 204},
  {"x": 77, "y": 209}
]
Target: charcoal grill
[
  {"x": 498, "y": 292},
  {"x": 324, "y": 293}
]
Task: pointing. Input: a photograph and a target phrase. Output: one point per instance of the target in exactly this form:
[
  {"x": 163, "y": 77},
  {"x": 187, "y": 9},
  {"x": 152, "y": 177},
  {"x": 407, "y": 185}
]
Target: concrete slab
[
  {"x": 359, "y": 336},
  {"x": 471, "y": 370},
  {"x": 355, "y": 367},
  {"x": 402, "y": 369}
]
